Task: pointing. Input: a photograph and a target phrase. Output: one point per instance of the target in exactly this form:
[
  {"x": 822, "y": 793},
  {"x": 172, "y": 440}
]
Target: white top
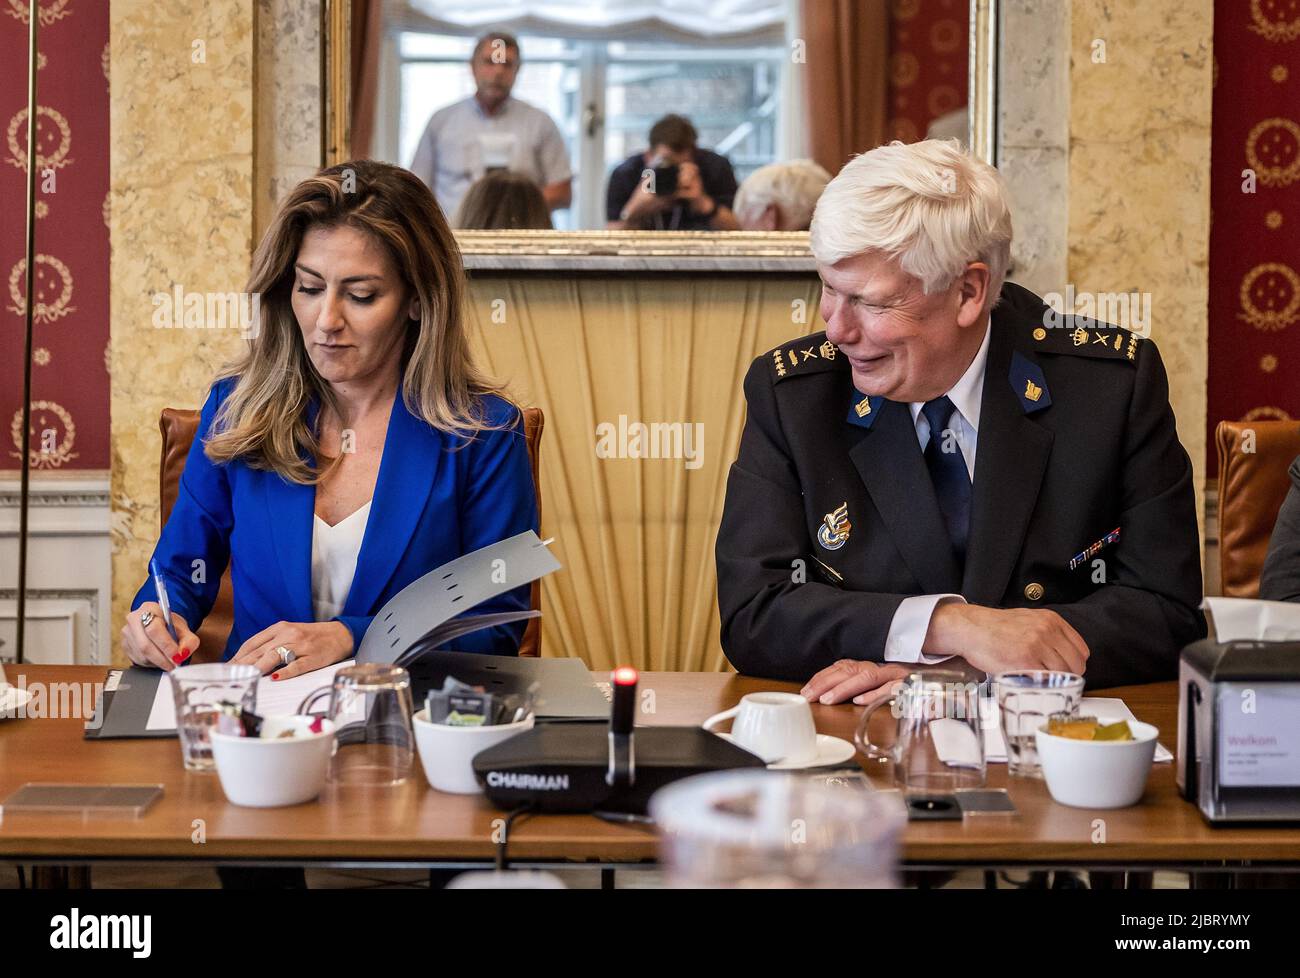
[
  {"x": 461, "y": 143},
  {"x": 334, "y": 552},
  {"x": 912, "y": 618}
]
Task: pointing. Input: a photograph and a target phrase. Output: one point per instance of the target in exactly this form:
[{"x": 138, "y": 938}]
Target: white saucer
[
  {"x": 830, "y": 751},
  {"x": 13, "y": 699}
]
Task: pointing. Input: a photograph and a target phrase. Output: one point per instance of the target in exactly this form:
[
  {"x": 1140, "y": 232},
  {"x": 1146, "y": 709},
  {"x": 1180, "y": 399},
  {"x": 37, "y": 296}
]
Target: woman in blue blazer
[{"x": 352, "y": 449}]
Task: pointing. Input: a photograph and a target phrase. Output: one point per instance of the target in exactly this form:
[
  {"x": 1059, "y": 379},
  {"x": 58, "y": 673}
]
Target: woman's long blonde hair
[{"x": 263, "y": 420}]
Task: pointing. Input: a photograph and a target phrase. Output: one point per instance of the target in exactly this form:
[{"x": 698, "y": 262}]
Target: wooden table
[{"x": 414, "y": 826}]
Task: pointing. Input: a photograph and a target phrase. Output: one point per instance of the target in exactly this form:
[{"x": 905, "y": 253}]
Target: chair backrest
[
  {"x": 534, "y": 422},
  {"x": 1253, "y": 460},
  {"x": 178, "y": 429}
]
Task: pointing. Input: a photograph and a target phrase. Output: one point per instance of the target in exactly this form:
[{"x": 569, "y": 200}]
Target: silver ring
[
  {"x": 286, "y": 655},
  {"x": 146, "y": 618}
]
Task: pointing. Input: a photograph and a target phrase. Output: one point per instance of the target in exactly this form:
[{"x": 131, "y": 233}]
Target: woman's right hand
[{"x": 153, "y": 646}]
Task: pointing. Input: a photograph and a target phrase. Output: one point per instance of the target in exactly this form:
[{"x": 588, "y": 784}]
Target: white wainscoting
[{"x": 68, "y": 570}]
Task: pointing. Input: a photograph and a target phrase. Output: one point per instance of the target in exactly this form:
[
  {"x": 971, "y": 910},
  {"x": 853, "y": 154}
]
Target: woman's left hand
[{"x": 315, "y": 644}]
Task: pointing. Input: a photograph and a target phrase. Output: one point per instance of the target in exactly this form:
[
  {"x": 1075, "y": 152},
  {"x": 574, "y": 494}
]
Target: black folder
[{"x": 123, "y": 712}]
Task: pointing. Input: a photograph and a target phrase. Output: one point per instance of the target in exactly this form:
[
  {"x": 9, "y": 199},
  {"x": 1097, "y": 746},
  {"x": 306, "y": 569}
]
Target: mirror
[{"x": 560, "y": 129}]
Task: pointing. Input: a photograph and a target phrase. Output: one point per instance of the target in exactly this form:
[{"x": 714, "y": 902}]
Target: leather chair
[
  {"x": 1252, "y": 486},
  {"x": 178, "y": 428}
]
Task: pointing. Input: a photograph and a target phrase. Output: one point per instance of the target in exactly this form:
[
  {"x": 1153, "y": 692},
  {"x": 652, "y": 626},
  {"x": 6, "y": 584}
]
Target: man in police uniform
[{"x": 940, "y": 474}]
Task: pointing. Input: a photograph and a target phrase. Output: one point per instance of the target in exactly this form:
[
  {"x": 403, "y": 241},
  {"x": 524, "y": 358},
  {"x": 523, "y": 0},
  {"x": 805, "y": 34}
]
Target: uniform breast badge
[{"x": 834, "y": 531}]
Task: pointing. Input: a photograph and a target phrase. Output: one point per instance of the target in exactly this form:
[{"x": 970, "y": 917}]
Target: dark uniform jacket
[
  {"x": 1280, "y": 580},
  {"x": 831, "y": 518}
]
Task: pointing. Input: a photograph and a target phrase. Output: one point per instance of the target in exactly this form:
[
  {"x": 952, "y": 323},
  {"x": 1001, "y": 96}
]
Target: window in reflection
[
  {"x": 566, "y": 93},
  {"x": 604, "y": 97}
]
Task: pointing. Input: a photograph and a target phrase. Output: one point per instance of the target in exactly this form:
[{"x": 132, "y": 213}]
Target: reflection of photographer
[{"x": 672, "y": 186}]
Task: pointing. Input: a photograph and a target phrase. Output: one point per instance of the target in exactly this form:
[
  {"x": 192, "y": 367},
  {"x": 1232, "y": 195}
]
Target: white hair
[
  {"x": 794, "y": 187},
  {"x": 930, "y": 205}
]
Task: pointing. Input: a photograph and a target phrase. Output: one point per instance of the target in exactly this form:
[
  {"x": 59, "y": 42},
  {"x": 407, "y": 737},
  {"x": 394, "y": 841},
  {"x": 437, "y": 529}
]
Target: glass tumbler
[
  {"x": 200, "y": 693},
  {"x": 1026, "y": 700},
  {"x": 370, "y": 707}
]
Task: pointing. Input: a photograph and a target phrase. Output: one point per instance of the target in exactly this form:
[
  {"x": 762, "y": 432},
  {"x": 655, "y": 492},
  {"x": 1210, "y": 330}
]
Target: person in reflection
[
  {"x": 493, "y": 130},
  {"x": 1280, "y": 579},
  {"x": 672, "y": 186},
  {"x": 504, "y": 201},
  {"x": 780, "y": 196},
  {"x": 353, "y": 447},
  {"x": 952, "y": 469}
]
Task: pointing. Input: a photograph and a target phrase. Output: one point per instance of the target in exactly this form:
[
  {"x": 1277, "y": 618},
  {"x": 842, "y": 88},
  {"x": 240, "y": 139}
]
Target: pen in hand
[{"x": 160, "y": 586}]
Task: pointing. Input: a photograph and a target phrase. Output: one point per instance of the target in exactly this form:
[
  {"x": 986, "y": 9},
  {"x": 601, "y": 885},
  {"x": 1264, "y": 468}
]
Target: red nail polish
[
  {"x": 276, "y": 675},
  {"x": 178, "y": 658}
]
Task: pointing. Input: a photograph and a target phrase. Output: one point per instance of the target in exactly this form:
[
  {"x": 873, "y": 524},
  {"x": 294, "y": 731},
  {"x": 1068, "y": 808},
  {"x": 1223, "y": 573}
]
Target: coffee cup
[{"x": 775, "y": 726}]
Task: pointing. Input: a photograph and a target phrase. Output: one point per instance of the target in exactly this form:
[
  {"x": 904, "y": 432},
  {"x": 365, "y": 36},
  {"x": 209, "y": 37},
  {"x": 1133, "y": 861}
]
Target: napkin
[
  {"x": 956, "y": 750},
  {"x": 1239, "y": 619}
]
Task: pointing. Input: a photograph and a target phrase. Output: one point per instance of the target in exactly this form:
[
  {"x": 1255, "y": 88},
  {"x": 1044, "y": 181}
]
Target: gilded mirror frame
[{"x": 641, "y": 250}]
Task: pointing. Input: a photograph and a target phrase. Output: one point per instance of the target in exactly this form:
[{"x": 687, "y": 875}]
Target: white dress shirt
[
  {"x": 334, "y": 552},
  {"x": 912, "y": 618}
]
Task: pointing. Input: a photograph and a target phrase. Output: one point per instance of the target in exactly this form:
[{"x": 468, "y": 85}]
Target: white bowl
[
  {"x": 1098, "y": 773},
  {"x": 270, "y": 772},
  {"x": 447, "y": 753}
]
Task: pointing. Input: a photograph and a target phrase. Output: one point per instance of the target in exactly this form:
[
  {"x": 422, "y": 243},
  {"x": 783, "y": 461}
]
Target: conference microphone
[
  {"x": 621, "y": 772},
  {"x": 613, "y": 767}
]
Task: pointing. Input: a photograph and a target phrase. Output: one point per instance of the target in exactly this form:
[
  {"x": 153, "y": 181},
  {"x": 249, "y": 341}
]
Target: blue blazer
[{"x": 437, "y": 498}]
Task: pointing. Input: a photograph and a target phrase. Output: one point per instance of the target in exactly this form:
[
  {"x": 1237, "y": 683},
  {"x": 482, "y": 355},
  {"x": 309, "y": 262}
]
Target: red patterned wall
[
  {"x": 70, "y": 343},
  {"x": 927, "y": 63},
  {"x": 1254, "y": 369}
]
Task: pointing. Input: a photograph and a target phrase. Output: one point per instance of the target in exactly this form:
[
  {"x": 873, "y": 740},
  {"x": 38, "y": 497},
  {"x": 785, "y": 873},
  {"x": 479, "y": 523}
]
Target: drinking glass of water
[
  {"x": 201, "y": 693},
  {"x": 1027, "y": 699}
]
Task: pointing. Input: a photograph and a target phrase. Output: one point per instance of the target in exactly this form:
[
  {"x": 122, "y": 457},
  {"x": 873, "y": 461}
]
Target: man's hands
[
  {"x": 998, "y": 639},
  {"x": 643, "y": 203},
  {"x": 690, "y": 188},
  {"x": 152, "y": 646},
  {"x": 991, "y": 640},
  {"x": 315, "y": 644},
  {"x": 863, "y": 682}
]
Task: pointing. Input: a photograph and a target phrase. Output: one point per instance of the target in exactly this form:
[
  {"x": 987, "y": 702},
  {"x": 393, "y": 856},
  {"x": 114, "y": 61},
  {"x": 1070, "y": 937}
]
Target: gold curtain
[{"x": 635, "y": 535}]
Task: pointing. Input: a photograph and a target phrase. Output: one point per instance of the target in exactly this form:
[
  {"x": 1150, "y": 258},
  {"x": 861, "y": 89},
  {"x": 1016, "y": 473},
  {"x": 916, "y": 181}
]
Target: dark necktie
[{"x": 948, "y": 473}]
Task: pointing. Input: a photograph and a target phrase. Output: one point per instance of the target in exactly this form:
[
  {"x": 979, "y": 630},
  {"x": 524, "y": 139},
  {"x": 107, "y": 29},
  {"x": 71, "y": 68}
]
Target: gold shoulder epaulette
[
  {"x": 811, "y": 354},
  {"x": 1100, "y": 340}
]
